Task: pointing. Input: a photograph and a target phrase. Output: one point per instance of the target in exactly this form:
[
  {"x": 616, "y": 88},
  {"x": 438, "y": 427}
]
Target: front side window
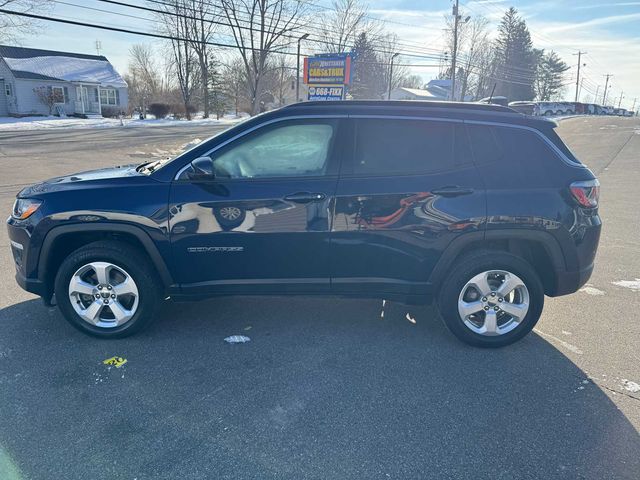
[
  {"x": 58, "y": 94},
  {"x": 7, "y": 89},
  {"x": 292, "y": 149},
  {"x": 108, "y": 96},
  {"x": 403, "y": 147}
]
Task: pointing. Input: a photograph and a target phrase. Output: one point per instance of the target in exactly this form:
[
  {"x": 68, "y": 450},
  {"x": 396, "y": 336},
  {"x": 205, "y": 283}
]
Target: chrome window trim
[
  {"x": 557, "y": 151},
  {"x": 554, "y": 148},
  {"x": 256, "y": 127}
]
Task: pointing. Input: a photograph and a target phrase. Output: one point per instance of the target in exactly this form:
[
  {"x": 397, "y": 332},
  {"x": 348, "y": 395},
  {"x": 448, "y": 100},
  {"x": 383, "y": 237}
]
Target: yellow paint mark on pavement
[{"x": 115, "y": 361}]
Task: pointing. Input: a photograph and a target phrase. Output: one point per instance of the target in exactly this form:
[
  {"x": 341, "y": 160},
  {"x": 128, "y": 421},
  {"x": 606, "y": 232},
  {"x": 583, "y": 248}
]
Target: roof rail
[{"x": 406, "y": 104}]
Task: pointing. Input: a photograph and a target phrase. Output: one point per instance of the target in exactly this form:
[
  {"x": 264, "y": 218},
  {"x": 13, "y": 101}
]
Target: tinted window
[
  {"x": 515, "y": 152},
  {"x": 403, "y": 147},
  {"x": 291, "y": 149}
]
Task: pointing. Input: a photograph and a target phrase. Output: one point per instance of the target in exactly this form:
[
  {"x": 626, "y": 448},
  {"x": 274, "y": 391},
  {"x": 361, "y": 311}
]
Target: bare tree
[
  {"x": 176, "y": 22},
  {"x": 48, "y": 97},
  {"x": 13, "y": 27},
  {"x": 411, "y": 81},
  {"x": 143, "y": 77},
  {"x": 386, "y": 47},
  {"x": 259, "y": 27},
  {"x": 200, "y": 31},
  {"x": 235, "y": 81},
  {"x": 341, "y": 26}
]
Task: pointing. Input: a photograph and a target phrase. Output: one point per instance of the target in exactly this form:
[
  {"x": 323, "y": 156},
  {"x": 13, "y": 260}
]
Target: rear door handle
[
  {"x": 452, "y": 191},
  {"x": 305, "y": 197}
]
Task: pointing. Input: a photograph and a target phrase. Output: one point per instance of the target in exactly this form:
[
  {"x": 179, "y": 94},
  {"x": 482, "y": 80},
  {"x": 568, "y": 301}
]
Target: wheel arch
[
  {"x": 539, "y": 248},
  {"x": 62, "y": 240}
]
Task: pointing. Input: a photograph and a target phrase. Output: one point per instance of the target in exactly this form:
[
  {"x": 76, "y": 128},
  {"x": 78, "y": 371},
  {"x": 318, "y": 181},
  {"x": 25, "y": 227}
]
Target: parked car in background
[{"x": 528, "y": 108}]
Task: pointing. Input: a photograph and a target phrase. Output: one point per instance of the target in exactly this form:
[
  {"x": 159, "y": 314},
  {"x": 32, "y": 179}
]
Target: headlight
[{"x": 23, "y": 208}]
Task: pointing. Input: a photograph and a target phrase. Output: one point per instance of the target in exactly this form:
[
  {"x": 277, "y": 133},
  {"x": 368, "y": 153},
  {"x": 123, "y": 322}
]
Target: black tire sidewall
[
  {"x": 466, "y": 269},
  {"x": 133, "y": 263}
]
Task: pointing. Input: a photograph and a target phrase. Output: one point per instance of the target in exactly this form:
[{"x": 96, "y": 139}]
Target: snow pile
[
  {"x": 69, "y": 68},
  {"x": 37, "y": 123}
]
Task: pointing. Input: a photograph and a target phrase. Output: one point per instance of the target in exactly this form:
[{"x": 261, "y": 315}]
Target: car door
[
  {"x": 408, "y": 190},
  {"x": 262, "y": 223}
]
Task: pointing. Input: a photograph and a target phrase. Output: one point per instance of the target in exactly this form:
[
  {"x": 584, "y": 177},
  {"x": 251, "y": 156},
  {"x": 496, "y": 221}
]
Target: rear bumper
[{"x": 570, "y": 282}]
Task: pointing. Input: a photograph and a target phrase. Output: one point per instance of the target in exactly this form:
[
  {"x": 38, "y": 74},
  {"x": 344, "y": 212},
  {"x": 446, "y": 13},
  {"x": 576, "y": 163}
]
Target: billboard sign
[
  {"x": 327, "y": 69},
  {"x": 326, "y": 92}
]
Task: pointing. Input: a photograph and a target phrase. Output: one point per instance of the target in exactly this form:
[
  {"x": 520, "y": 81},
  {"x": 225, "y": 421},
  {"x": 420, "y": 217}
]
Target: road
[{"x": 327, "y": 388}]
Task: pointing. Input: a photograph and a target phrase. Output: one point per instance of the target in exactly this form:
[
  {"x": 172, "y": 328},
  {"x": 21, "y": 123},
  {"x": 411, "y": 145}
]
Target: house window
[
  {"x": 7, "y": 89},
  {"x": 58, "y": 94},
  {"x": 108, "y": 96}
]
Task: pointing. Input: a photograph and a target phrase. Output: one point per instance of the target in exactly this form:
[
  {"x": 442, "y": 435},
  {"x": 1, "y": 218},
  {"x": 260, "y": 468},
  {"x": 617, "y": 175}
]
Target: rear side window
[
  {"x": 515, "y": 152},
  {"x": 404, "y": 147}
]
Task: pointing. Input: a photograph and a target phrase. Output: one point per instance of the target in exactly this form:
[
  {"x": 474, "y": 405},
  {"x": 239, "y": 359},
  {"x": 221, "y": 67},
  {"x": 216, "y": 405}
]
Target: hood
[{"x": 67, "y": 181}]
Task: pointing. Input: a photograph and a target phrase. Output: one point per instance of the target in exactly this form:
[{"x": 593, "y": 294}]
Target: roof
[
  {"x": 417, "y": 104},
  {"x": 418, "y": 92},
  {"x": 36, "y": 64}
]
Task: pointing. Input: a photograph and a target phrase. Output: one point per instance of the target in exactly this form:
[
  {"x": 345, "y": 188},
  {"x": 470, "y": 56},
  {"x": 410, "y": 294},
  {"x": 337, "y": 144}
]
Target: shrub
[
  {"x": 111, "y": 112},
  {"x": 178, "y": 110},
  {"x": 159, "y": 110}
]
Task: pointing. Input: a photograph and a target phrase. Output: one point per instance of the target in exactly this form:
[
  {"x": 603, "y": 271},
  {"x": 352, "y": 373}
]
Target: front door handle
[
  {"x": 305, "y": 197},
  {"x": 452, "y": 191}
]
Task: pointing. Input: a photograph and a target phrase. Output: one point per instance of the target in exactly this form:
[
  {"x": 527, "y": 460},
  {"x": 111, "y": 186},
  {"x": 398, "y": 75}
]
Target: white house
[
  {"x": 437, "y": 90},
  {"x": 82, "y": 84}
]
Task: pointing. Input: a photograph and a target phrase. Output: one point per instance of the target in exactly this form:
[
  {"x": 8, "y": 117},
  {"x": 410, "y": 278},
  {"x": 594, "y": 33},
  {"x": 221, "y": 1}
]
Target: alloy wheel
[
  {"x": 103, "y": 294},
  {"x": 493, "y": 302}
]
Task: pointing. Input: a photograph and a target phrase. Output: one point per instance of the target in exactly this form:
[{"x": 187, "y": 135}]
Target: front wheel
[
  {"x": 491, "y": 299},
  {"x": 107, "y": 289}
]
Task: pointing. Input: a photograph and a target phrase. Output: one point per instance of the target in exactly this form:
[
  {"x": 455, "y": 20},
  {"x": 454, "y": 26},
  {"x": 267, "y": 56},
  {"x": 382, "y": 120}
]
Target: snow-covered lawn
[{"x": 37, "y": 123}]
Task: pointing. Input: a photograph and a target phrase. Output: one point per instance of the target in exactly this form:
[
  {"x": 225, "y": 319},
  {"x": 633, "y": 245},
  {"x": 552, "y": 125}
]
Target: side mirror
[{"x": 202, "y": 169}]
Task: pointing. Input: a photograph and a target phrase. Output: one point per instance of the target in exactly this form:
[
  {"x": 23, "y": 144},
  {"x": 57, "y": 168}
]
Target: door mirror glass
[{"x": 201, "y": 168}]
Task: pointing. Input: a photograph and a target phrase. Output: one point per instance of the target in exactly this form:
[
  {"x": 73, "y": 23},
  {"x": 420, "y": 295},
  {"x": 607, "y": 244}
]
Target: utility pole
[
  {"x": 298, "y": 67},
  {"x": 98, "y": 45},
  {"x": 456, "y": 18},
  {"x": 620, "y": 101},
  {"x": 578, "y": 75},
  {"x": 595, "y": 98},
  {"x": 604, "y": 95},
  {"x": 633, "y": 109},
  {"x": 391, "y": 75}
]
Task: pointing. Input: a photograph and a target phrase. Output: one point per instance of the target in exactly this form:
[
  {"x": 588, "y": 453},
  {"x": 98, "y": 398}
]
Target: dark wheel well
[
  {"x": 531, "y": 251},
  {"x": 66, "y": 243}
]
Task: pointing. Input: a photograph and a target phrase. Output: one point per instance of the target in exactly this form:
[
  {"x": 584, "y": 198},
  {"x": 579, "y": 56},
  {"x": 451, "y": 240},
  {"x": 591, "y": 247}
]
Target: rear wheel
[
  {"x": 491, "y": 299},
  {"x": 107, "y": 289}
]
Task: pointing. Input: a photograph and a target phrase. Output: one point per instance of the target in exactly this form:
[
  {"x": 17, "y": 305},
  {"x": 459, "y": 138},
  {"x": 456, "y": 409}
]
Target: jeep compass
[{"x": 477, "y": 207}]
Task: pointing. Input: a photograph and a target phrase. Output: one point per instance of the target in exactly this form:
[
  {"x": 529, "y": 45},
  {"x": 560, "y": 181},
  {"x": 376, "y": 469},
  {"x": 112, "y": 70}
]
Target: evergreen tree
[
  {"x": 515, "y": 58},
  {"x": 217, "y": 97},
  {"x": 368, "y": 72},
  {"x": 549, "y": 74}
]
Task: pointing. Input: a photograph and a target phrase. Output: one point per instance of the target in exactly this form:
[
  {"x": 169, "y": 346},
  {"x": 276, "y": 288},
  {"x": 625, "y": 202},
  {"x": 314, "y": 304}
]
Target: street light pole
[
  {"x": 306, "y": 35},
  {"x": 391, "y": 75}
]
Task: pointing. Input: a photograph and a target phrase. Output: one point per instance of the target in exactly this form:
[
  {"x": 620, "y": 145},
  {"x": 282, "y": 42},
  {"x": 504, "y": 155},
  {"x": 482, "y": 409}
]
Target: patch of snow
[
  {"x": 591, "y": 290},
  {"x": 631, "y": 284},
  {"x": 37, "y": 123},
  {"x": 630, "y": 386},
  {"x": 237, "y": 339}
]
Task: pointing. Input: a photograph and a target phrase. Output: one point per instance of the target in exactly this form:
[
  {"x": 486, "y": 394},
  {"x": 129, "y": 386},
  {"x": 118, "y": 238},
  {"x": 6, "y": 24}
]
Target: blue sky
[{"x": 608, "y": 30}]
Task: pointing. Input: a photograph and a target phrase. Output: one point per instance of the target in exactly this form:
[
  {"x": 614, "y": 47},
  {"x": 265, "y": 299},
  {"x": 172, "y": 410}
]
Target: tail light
[{"x": 586, "y": 193}]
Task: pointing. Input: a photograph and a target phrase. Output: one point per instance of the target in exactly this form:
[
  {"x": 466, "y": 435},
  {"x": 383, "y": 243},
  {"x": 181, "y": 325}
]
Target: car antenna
[{"x": 492, "y": 92}]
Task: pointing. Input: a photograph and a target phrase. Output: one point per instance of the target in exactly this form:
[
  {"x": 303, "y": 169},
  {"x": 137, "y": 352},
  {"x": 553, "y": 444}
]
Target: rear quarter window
[{"x": 513, "y": 153}]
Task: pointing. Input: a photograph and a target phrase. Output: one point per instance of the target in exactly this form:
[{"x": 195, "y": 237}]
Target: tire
[
  {"x": 548, "y": 113},
  {"x": 457, "y": 294},
  {"x": 131, "y": 279},
  {"x": 229, "y": 217}
]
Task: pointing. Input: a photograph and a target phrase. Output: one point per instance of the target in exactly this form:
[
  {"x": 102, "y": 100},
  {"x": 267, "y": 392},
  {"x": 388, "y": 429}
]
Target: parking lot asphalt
[{"x": 326, "y": 388}]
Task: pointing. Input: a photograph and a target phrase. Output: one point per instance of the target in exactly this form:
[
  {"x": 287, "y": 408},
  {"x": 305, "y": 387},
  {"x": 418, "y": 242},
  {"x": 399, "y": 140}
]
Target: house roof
[
  {"x": 419, "y": 92},
  {"x": 36, "y": 64}
]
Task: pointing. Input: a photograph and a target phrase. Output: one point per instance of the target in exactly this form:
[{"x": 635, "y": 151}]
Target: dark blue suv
[{"x": 481, "y": 208}]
